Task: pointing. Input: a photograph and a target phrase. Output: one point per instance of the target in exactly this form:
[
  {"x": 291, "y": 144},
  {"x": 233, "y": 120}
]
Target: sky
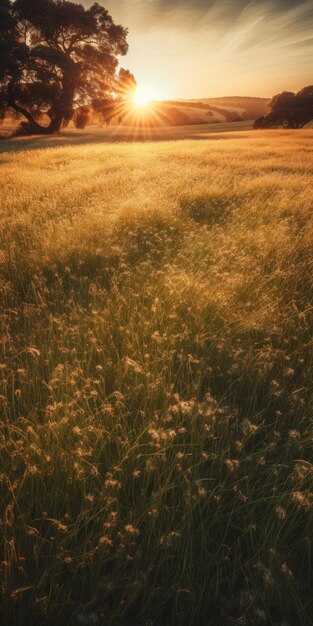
[{"x": 212, "y": 48}]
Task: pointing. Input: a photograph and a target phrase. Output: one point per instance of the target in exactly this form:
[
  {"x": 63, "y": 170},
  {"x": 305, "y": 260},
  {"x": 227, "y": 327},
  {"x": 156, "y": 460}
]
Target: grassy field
[
  {"x": 156, "y": 398},
  {"x": 113, "y": 134}
]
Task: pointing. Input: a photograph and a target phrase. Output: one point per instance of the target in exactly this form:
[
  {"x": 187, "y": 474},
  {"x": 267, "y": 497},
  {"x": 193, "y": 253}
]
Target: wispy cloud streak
[{"x": 264, "y": 43}]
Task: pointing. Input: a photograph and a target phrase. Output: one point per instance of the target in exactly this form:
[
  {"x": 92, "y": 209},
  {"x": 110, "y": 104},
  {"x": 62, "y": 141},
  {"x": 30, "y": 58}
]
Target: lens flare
[{"x": 144, "y": 95}]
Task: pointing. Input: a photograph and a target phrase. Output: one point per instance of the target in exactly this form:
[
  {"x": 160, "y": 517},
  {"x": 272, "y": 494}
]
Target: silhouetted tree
[
  {"x": 81, "y": 117},
  {"x": 261, "y": 122},
  {"x": 117, "y": 107},
  {"x": 57, "y": 56},
  {"x": 288, "y": 110}
]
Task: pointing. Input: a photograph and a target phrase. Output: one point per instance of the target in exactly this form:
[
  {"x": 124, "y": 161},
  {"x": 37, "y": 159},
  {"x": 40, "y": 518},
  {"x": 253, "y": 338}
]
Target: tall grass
[{"x": 156, "y": 383}]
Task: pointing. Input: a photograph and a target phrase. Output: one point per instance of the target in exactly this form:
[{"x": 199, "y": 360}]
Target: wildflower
[
  {"x": 154, "y": 434},
  {"x": 136, "y": 473},
  {"x": 186, "y": 407},
  {"x": 89, "y": 497},
  {"x": 58, "y": 524},
  {"x": 275, "y": 383},
  {"x": 303, "y": 499},
  {"x": 112, "y": 483},
  {"x": 173, "y": 534},
  {"x": 281, "y": 513},
  {"x": 153, "y": 512},
  {"x": 156, "y": 336},
  {"x": 248, "y": 428},
  {"x": 294, "y": 434},
  {"x": 288, "y": 371},
  {"x": 131, "y": 530},
  {"x": 301, "y": 470},
  {"x": 105, "y": 540},
  {"x": 232, "y": 464},
  {"x": 285, "y": 569}
]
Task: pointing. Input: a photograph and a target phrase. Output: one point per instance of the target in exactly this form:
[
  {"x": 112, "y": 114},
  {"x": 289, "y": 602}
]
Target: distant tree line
[
  {"x": 58, "y": 61},
  {"x": 289, "y": 110}
]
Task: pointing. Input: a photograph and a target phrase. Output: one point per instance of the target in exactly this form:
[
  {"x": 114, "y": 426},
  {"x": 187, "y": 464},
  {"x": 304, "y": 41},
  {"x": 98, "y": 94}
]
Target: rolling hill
[{"x": 206, "y": 111}]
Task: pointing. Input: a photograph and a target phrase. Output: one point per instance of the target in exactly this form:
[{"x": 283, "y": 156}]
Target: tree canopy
[
  {"x": 57, "y": 57},
  {"x": 289, "y": 110}
]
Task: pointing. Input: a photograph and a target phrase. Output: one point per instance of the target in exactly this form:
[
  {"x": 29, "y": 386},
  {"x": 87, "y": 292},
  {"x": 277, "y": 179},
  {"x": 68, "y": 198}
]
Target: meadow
[{"x": 156, "y": 395}]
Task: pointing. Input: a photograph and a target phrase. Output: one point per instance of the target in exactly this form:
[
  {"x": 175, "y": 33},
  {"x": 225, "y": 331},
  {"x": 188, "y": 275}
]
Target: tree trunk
[
  {"x": 55, "y": 124},
  {"x": 33, "y": 128}
]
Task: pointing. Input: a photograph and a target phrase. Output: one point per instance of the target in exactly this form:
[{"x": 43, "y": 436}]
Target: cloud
[
  {"x": 187, "y": 13},
  {"x": 208, "y": 14},
  {"x": 218, "y": 46},
  {"x": 240, "y": 25}
]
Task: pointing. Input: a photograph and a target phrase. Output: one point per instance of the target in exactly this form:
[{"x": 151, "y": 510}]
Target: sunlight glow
[{"x": 144, "y": 95}]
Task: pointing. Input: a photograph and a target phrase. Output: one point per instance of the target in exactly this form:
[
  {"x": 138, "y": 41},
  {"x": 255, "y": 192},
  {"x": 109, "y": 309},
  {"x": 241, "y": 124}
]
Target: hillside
[
  {"x": 206, "y": 111},
  {"x": 192, "y": 112}
]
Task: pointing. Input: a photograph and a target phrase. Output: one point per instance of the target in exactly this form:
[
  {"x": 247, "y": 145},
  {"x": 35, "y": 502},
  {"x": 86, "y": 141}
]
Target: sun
[{"x": 144, "y": 95}]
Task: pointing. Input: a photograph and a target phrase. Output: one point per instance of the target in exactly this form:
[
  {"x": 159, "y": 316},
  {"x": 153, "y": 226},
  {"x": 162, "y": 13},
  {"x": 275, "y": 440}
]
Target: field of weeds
[{"x": 156, "y": 378}]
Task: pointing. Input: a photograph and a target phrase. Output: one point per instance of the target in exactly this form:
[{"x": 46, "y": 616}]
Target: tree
[
  {"x": 117, "y": 107},
  {"x": 56, "y": 57},
  {"x": 289, "y": 110},
  {"x": 81, "y": 117}
]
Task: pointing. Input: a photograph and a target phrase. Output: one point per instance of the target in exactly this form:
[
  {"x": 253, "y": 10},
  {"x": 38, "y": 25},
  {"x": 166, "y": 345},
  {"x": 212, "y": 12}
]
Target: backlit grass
[{"x": 156, "y": 382}]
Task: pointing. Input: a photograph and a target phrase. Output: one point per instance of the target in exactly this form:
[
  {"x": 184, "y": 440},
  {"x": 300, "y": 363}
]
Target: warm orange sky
[{"x": 207, "y": 48}]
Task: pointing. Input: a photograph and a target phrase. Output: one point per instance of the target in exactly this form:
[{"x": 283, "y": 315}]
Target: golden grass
[{"x": 156, "y": 381}]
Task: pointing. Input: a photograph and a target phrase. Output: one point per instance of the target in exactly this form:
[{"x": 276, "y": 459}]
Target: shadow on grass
[
  {"x": 124, "y": 135},
  {"x": 209, "y": 210}
]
